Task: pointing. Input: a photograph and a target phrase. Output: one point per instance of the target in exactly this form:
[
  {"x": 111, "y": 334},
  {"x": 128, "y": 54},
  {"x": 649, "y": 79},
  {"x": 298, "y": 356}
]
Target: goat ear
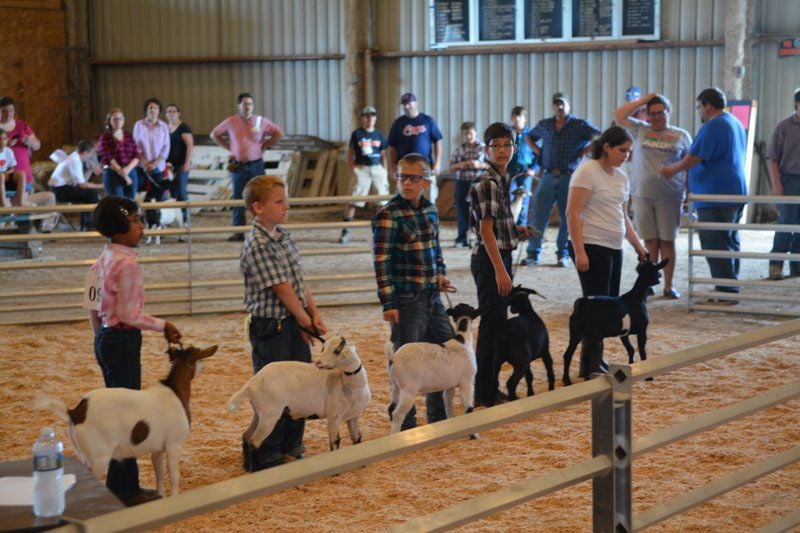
[
  {"x": 533, "y": 291},
  {"x": 207, "y": 352},
  {"x": 662, "y": 264}
]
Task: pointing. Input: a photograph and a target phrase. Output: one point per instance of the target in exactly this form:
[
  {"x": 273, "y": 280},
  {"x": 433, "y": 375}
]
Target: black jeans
[
  {"x": 118, "y": 352},
  {"x": 494, "y": 308},
  {"x": 272, "y": 342},
  {"x": 605, "y": 270},
  {"x": 77, "y": 195}
]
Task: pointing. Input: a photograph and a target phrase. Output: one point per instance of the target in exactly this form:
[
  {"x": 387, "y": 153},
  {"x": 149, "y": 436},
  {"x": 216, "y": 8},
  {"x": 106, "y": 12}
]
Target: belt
[
  {"x": 249, "y": 162},
  {"x": 119, "y": 326},
  {"x": 558, "y": 171}
]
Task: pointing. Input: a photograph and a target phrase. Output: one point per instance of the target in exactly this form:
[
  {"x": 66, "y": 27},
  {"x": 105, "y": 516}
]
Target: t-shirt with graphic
[
  {"x": 7, "y": 159},
  {"x": 368, "y": 146},
  {"x": 414, "y": 135},
  {"x": 655, "y": 149}
]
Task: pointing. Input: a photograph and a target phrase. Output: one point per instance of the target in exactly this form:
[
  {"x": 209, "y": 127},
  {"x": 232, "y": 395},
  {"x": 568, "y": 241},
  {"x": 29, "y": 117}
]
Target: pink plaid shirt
[
  {"x": 123, "y": 289},
  {"x": 247, "y": 136}
]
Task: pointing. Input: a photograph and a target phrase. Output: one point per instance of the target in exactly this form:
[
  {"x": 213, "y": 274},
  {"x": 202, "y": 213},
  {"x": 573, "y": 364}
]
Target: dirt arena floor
[{"x": 58, "y": 359}]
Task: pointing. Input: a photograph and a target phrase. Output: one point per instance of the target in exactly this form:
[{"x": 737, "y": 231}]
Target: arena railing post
[{"x": 611, "y": 436}]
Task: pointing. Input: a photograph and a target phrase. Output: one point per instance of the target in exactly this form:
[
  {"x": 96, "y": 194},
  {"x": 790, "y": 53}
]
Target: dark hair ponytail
[{"x": 613, "y": 136}]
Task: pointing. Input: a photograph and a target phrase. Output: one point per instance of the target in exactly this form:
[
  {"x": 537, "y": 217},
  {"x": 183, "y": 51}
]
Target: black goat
[
  {"x": 524, "y": 339},
  {"x": 597, "y": 317}
]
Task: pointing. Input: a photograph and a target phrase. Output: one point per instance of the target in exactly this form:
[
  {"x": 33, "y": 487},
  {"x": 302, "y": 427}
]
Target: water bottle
[{"x": 48, "y": 490}]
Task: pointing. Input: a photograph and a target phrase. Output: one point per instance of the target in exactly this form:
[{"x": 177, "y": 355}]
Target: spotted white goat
[
  {"x": 423, "y": 367},
  {"x": 120, "y": 423},
  {"x": 335, "y": 387}
]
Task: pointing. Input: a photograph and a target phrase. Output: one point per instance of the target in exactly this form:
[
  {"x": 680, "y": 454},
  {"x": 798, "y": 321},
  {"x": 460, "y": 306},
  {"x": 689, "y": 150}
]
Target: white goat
[
  {"x": 335, "y": 387},
  {"x": 423, "y": 367},
  {"x": 120, "y": 423}
]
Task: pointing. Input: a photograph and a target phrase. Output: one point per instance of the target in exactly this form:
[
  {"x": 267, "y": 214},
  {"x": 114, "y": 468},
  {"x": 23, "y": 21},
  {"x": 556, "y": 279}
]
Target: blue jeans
[
  {"x": 270, "y": 345},
  {"x": 552, "y": 189},
  {"x": 180, "y": 189},
  {"x": 727, "y": 240},
  {"x": 524, "y": 182},
  {"x": 462, "y": 209},
  {"x": 118, "y": 352},
  {"x": 240, "y": 177},
  {"x": 422, "y": 319},
  {"x": 114, "y": 184},
  {"x": 786, "y": 241},
  {"x": 494, "y": 308}
]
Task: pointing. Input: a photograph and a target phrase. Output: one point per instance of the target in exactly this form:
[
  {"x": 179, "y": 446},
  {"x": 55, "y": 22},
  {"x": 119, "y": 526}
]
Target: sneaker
[
  {"x": 671, "y": 294},
  {"x": 236, "y": 237},
  {"x": 562, "y": 262},
  {"x": 530, "y": 261},
  {"x": 345, "y": 237},
  {"x": 776, "y": 272}
]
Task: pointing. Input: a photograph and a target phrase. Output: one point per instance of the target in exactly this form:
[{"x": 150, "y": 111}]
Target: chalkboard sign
[
  {"x": 592, "y": 18},
  {"x": 498, "y": 19},
  {"x": 544, "y": 19},
  {"x": 638, "y": 17},
  {"x": 452, "y": 21}
]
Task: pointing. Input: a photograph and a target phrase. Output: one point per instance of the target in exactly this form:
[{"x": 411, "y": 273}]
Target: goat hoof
[
  {"x": 474, "y": 436},
  {"x": 648, "y": 379},
  {"x": 566, "y": 381},
  {"x": 552, "y": 385}
]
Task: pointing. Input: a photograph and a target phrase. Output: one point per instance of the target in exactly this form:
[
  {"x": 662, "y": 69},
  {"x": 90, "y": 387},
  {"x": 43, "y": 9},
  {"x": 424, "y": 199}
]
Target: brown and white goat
[
  {"x": 120, "y": 423},
  {"x": 597, "y": 317}
]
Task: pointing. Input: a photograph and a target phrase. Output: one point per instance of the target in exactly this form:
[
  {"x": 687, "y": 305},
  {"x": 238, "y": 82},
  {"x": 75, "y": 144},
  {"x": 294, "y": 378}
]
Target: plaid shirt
[
  {"x": 490, "y": 199},
  {"x": 267, "y": 261},
  {"x": 562, "y": 149},
  {"x": 468, "y": 152},
  {"x": 108, "y": 148},
  {"x": 406, "y": 249}
]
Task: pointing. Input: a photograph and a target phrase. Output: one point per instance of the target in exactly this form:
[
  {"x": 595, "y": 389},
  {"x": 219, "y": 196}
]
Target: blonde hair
[{"x": 258, "y": 188}]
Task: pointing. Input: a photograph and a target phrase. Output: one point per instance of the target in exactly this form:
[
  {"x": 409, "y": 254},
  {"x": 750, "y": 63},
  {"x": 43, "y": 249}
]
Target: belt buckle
[{"x": 556, "y": 172}]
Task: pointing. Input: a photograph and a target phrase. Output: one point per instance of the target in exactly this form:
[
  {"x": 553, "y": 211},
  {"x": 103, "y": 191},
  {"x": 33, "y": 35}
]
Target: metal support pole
[
  {"x": 692, "y": 215},
  {"x": 611, "y": 436}
]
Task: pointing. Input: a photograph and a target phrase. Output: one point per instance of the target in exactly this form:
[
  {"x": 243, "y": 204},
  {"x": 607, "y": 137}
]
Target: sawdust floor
[{"x": 58, "y": 359}]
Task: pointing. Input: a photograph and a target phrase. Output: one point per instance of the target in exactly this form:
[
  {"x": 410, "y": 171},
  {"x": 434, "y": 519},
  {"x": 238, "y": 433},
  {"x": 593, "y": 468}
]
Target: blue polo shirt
[
  {"x": 414, "y": 135},
  {"x": 721, "y": 144}
]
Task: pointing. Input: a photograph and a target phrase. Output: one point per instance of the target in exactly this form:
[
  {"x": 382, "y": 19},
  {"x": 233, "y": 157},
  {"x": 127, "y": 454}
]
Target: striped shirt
[
  {"x": 266, "y": 261},
  {"x": 406, "y": 249},
  {"x": 784, "y": 145},
  {"x": 468, "y": 152},
  {"x": 489, "y": 197},
  {"x": 123, "y": 289},
  {"x": 561, "y": 149}
]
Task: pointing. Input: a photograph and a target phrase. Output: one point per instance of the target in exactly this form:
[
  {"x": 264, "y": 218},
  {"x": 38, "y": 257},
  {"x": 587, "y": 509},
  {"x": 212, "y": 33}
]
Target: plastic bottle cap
[{"x": 47, "y": 432}]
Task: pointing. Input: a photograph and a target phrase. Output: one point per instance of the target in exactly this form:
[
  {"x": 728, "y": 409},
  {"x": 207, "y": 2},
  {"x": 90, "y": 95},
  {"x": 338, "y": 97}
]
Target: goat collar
[{"x": 354, "y": 372}]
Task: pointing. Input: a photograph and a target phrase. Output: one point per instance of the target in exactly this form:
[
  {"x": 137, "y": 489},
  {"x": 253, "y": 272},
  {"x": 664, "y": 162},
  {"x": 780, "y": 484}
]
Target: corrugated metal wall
[{"x": 306, "y": 97}]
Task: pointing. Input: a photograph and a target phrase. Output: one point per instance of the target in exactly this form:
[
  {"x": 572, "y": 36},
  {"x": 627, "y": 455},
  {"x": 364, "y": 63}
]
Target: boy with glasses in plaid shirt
[
  {"x": 491, "y": 257},
  {"x": 280, "y": 304},
  {"x": 410, "y": 269}
]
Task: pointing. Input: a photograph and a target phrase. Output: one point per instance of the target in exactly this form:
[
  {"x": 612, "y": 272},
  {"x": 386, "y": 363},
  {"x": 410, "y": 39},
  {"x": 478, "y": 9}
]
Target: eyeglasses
[
  {"x": 505, "y": 146},
  {"x": 699, "y": 106},
  {"x": 413, "y": 178}
]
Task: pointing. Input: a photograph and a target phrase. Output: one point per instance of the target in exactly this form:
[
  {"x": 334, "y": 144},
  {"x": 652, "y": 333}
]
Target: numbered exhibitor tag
[{"x": 92, "y": 291}]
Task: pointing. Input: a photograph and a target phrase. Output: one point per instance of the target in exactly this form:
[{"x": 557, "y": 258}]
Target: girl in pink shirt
[{"x": 117, "y": 317}]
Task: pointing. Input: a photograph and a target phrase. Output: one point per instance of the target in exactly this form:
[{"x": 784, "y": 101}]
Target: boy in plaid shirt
[
  {"x": 279, "y": 304},
  {"x": 467, "y": 163},
  {"x": 410, "y": 270},
  {"x": 491, "y": 257}
]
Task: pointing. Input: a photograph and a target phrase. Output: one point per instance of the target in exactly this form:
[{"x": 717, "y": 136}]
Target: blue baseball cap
[
  {"x": 632, "y": 93},
  {"x": 408, "y": 97}
]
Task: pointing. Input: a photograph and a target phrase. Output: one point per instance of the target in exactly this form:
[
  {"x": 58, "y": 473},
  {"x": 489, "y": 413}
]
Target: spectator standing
[
  {"x": 152, "y": 137},
  {"x": 246, "y": 136},
  {"x": 716, "y": 166},
  {"x": 22, "y": 141},
  {"x": 279, "y": 303},
  {"x": 410, "y": 270},
  {"x": 181, "y": 145},
  {"x": 564, "y": 139},
  {"x": 415, "y": 133},
  {"x": 467, "y": 163},
  {"x": 522, "y": 167},
  {"x": 784, "y": 168},
  {"x": 656, "y": 201},
  {"x": 366, "y": 156},
  {"x": 119, "y": 156},
  {"x": 68, "y": 181}
]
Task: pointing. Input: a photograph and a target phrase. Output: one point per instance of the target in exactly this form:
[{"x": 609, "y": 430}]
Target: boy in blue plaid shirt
[
  {"x": 410, "y": 270},
  {"x": 279, "y": 304}
]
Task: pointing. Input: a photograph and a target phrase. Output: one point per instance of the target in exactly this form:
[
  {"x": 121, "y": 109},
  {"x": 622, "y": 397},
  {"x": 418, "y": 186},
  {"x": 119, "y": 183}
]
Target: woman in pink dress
[{"x": 21, "y": 139}]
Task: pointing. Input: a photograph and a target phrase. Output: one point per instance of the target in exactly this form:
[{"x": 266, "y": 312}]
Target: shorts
[
  {"x": 368, "y": 177},
  {"x": 656, "y": 218}
]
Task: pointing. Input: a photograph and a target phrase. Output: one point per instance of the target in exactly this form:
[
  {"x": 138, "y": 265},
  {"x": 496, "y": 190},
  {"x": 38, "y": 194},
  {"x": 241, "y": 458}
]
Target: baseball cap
[
  {"x": 408, "y": 97},
  {"x": 797, "y": 95},
  {"x": 559, "y": 96},
  {"x": 632, "y": 93},
  {"x": 369, "y": 110}
]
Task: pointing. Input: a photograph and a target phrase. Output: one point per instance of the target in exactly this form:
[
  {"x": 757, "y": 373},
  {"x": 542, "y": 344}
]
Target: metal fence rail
[{"x": 609, "y": 467}]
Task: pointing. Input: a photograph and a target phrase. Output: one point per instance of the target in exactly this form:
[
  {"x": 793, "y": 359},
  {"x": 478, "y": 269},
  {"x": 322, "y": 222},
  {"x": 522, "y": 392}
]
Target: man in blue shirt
[
  {"x": 522, "y": 166},
  {"x": 564, "y": 140},
  {"x": 414, "y": 133},
  {"x": 716, "y": 160}
]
